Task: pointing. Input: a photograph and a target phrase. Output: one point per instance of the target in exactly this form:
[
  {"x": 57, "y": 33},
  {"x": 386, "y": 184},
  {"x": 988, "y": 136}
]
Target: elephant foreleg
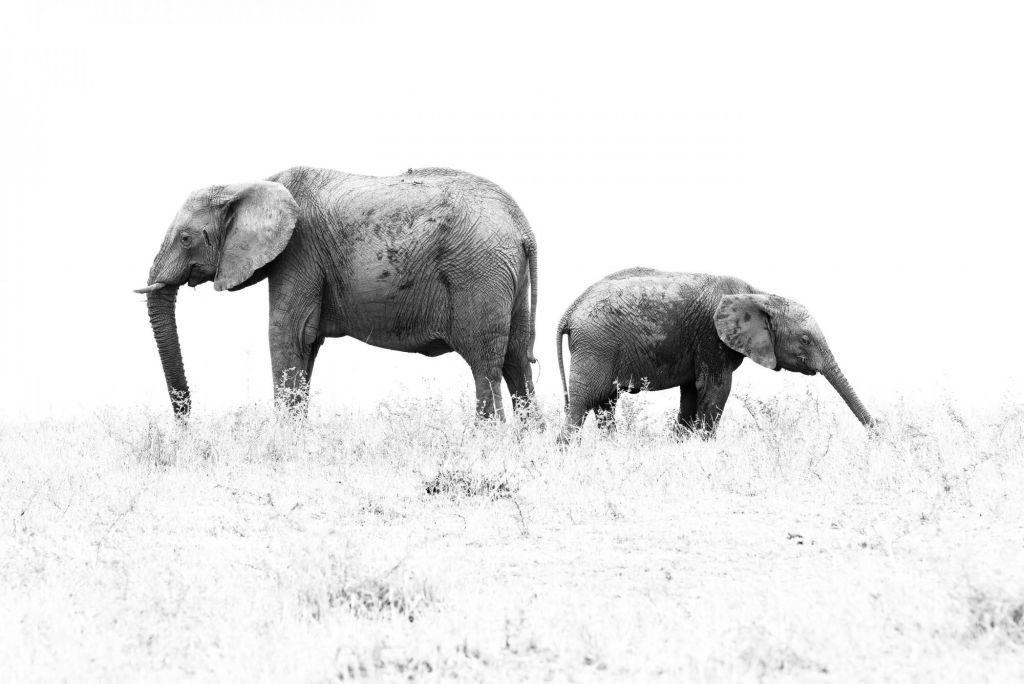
[
  {"x": 290, "y": 367},
  {"x": 292, "y": 356},
  {"x": 314, "y": 350},
  {"x": 686, "y": 419},
  {"x": 712, "y": 393}
]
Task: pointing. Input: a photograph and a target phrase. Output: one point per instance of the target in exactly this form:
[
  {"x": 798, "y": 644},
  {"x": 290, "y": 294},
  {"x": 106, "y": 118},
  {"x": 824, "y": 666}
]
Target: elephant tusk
[{"x": 150, "y": 288}]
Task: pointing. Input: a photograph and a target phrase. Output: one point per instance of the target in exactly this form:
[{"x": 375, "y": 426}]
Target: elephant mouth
[
  {"x": 803, "y": 367},
  {"x": 197, "y": 275}
]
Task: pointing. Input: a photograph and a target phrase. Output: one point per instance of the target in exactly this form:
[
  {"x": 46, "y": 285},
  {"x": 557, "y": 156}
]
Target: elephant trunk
[
  {"x": 160, "y": 303},
  {"x": 835, "y": 376}
]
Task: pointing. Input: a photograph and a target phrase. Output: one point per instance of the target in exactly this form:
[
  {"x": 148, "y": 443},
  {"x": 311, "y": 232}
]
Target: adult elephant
[
  {"x": 689, "y": 331},
  {"x": 430, "y": 261}
]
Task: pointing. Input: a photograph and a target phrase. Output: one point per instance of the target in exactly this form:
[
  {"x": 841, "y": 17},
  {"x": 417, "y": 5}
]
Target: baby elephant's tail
[{"x": 563, "y": 329}]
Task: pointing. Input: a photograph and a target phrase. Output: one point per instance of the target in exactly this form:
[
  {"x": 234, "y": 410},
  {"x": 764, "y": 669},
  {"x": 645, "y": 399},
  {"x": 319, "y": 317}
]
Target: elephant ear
[
  {"x": 742, "y": 322},
  {"x": 258, "y": 222}
]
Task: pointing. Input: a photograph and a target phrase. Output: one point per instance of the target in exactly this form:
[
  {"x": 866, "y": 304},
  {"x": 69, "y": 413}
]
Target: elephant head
[
  {"x": 223, "y": 234},
  {"x": 778, "y": 333}
]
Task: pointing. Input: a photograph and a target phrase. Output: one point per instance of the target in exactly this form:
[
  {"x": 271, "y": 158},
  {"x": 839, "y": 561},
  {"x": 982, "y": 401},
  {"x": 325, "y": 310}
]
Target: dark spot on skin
[
  {"x": 380, "y": 256},
  {"x": 393, "y": 255},
  {"x": 746, "y": 316},
  {"x": 384, "y": 275},
  {"x": 369, "y": 212},
  {"x": 405, "y": 286}
]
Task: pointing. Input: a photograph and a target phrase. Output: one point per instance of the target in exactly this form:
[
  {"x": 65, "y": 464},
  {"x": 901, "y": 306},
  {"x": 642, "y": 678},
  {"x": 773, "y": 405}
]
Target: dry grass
[{"x": 406, "y": 542}]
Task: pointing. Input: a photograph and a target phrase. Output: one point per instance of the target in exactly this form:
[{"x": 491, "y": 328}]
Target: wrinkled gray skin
[
  {"x": 430, "y": 261},
  {"x": 684, "y": 330}
]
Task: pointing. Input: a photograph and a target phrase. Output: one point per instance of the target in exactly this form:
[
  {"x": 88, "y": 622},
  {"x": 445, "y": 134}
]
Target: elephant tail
[
  {"x": 563, "y": 329},
  {"x": 531, "y": 255}
]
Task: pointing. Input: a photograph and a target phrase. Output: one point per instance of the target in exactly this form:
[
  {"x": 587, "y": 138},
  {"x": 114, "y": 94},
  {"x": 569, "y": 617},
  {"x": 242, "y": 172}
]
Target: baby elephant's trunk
[{"x": 835, "y": 376}]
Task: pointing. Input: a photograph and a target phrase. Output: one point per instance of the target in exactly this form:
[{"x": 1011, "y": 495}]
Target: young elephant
[{"x": 643, "y": 327}]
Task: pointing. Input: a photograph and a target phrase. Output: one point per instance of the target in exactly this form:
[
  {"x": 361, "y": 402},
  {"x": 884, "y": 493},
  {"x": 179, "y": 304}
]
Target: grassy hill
[{"x": 404, "y": 541}]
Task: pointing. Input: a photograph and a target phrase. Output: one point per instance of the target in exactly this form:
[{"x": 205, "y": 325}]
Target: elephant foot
[
  {"x": 567, "y": 437},
  {"x": 688, "y": 430}
]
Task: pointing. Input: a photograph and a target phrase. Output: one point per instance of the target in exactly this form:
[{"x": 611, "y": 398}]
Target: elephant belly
[
  {"x": 653, "y": 372},
  {"x": 428, "y": 345},
  {"x": 387, "y": 316},
  {"x": 652, "y": 380}
]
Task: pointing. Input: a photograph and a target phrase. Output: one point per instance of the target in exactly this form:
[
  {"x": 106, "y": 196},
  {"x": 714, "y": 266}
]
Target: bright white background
[{"x": 866, "y": 159}]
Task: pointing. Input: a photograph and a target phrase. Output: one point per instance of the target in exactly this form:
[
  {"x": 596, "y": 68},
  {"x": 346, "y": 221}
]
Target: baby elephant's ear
[
  {"x": 258, "y": 222},
  {"x": 742, "y": 323}
]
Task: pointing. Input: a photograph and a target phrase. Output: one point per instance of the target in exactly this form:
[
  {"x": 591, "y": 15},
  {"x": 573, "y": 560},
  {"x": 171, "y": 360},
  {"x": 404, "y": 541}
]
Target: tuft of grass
[
  {"x": 459, "y": 483},
  {"x": 371, "y": 598},
  {"x": 765, "y": 655},
  {"x": 994, "y": 613}
]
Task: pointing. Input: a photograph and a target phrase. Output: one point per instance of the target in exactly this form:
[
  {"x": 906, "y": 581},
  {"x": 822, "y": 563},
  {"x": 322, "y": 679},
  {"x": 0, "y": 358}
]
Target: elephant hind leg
[
  {"x": 487, "y": 379},
  {"x": 485, "y": 354},
  {"x": 480, "y": 334},
  {"x": 604, "y": 412},
  {"x": 591, "y": 387},
  {"x": 574, "y": 418},
  {"x": 516, "y": 367},
  {"x": 519, "y": 379}
]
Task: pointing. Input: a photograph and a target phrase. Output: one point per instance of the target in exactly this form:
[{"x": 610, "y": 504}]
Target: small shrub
[
  {"x": 372, "y": 599},
  {"x": 460, "y": 483}
]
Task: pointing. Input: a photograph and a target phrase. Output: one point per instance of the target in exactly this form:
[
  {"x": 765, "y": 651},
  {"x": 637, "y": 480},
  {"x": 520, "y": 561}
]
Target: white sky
[{"x": 865, "y": 159}]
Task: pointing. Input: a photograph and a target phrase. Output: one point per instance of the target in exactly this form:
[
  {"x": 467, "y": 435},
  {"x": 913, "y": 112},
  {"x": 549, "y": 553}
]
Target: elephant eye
[
  {"x": 185, "y": 239},
  {"x": 806, "y": 339}
]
